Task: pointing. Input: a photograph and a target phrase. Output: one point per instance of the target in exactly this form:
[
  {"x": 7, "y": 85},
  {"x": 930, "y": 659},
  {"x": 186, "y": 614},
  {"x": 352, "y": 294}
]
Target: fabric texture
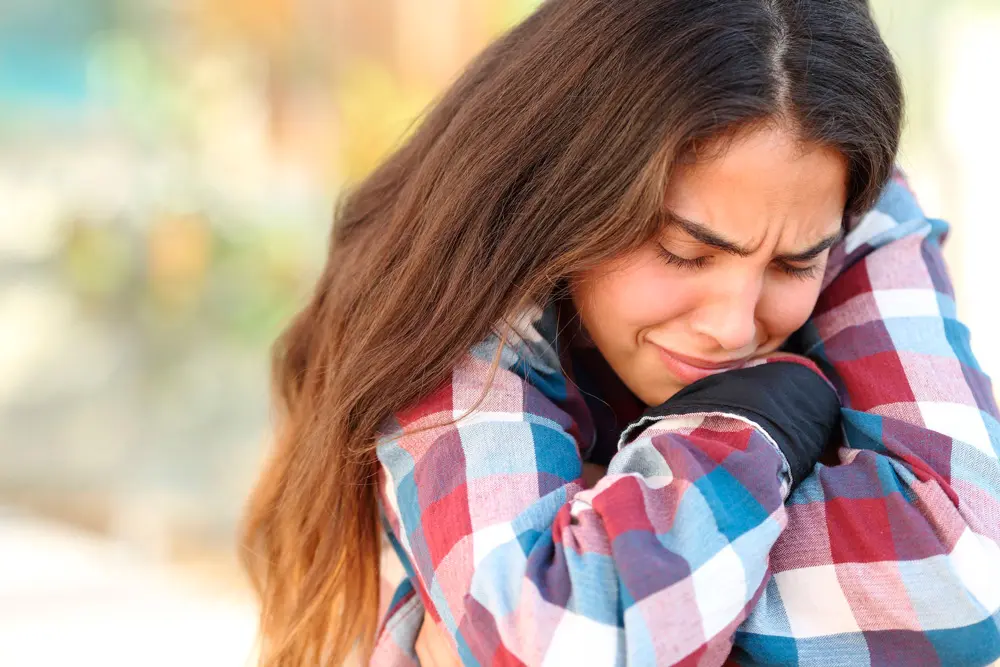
[
  {"x": 786, "y": 399},
  {"x": 695, "y": 549}
]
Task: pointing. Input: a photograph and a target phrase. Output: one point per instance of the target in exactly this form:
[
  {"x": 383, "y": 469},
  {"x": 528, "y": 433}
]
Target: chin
[{"x": 654, "y": 397}]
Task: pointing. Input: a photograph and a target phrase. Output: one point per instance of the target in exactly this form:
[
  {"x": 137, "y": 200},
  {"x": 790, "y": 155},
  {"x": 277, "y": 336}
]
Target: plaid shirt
[{"x": 692, "y": 550}]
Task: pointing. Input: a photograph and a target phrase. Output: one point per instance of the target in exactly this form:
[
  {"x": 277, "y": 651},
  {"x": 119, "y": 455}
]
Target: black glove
[{"x": 789, "y": 401}]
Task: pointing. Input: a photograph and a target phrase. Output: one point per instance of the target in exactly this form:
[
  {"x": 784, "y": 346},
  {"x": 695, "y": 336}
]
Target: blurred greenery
[{"x": 169, "y": 171}]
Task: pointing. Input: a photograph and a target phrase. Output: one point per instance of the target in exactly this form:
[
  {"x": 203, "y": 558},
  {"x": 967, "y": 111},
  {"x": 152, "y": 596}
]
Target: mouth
[{"x": 691, "y": 369}]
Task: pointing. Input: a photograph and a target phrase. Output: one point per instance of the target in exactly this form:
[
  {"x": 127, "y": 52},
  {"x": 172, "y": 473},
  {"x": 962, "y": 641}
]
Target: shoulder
[{"x": 513, "y": 374}]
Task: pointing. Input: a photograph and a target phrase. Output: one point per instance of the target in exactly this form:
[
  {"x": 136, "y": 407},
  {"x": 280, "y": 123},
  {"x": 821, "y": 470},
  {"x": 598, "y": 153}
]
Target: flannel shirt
[{"x": 693, "y": 549}]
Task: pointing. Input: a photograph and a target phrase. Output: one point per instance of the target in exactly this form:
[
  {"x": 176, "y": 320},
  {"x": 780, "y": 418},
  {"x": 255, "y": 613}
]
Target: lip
[{"x": 692, "y": 369}]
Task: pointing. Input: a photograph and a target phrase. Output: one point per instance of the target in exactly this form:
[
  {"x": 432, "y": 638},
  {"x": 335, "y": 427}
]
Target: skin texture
[{"x": 769, "y": 194}]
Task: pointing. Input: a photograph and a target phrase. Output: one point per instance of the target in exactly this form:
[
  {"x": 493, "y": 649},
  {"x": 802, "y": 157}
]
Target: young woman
[{"x": 662, "y": 236}]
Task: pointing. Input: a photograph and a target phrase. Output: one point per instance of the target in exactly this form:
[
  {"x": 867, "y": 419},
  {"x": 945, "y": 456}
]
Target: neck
[{"x": 572, "y": 331}]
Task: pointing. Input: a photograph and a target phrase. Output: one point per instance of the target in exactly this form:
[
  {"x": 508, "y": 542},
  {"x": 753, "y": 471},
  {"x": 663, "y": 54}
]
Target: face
[{"x": 736, "y": 269}]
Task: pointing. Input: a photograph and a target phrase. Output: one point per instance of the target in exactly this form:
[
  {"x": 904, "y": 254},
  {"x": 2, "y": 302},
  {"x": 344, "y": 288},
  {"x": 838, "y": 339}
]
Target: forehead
[{"x": 765, "y": 182}]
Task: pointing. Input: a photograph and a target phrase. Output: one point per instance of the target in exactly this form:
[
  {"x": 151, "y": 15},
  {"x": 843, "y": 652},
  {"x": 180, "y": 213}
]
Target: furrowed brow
[
  {"x": 813, "y": 252},
  {"x": 704, "y": 234}
]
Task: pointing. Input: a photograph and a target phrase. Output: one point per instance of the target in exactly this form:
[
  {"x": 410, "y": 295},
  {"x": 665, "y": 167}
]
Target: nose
[{"x": 728, "y": 316}]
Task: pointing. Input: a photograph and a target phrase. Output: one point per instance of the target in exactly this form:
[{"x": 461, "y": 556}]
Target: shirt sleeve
[
  {"x": 892, "y": 555},
  {"x": 658, "y": 563}
]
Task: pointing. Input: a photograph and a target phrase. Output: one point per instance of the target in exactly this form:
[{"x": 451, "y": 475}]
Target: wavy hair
[{"x": 549, "y": 154}]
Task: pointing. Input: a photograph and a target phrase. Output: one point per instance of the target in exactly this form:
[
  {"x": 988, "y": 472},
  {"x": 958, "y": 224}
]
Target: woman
[{"x": 617, "y": 239}]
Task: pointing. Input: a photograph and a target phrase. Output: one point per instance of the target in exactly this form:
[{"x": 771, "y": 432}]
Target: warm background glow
[{"x": 167, "y": 175}]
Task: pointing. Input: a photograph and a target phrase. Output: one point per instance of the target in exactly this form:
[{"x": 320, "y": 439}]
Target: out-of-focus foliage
[{"x": 168, "y": 169}]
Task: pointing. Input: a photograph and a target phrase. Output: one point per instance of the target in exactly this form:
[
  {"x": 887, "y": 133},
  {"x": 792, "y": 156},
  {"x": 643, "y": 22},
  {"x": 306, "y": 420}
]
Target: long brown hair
[{"x": 550, "y": 153}]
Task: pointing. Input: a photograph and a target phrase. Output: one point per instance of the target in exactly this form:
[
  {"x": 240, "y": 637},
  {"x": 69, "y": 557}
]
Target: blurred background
[{"x": 167, "y": 174}]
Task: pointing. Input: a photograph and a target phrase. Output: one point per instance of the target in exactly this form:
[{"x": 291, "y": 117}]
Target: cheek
[
  {"x": 787, "y": 305},
  {"x": 632, "y": 297}
]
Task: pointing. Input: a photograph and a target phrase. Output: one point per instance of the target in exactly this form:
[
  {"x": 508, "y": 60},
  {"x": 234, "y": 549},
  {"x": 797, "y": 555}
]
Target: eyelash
[
  {"x": 801, "y": 273},
  {"x": 674, "y": 260}
]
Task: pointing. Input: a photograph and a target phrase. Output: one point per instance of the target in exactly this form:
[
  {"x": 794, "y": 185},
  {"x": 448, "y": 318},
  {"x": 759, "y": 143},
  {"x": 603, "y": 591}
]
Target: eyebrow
[{"x": 704, "y": 234}]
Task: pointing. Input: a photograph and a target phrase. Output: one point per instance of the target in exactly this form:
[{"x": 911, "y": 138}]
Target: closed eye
[
  {"x": 799, "y": 272},
  {"x": 674, "y": 260}
]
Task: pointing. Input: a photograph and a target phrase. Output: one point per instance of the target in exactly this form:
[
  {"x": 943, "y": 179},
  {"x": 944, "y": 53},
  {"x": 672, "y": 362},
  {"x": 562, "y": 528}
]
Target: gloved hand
[{"x": 784, "y": 394}]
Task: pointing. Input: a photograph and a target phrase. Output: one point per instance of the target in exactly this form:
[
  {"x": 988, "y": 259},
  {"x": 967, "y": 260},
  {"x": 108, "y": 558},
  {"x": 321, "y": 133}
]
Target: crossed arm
[{"x": 691, "y": 549}]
